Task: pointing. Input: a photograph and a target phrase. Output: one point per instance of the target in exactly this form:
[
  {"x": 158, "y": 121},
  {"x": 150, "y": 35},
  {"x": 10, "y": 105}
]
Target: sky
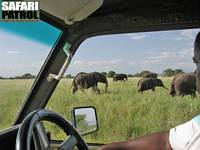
[
  {"x": 25, "y": 46},
  {"x": 135, "y": 52}
]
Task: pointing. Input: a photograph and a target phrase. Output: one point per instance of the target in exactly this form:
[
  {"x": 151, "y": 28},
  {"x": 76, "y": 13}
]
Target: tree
[
  {"x": 168, "y": 72},
  {"x": 25, "y": 76},
  {"x": 68, "y": 76},
  {"x": 129, "y": 75},
  {"x": 140, "y": 74},
  {"x": 104, "y": 73},
  {"x": 28, "y": 76},
  {"x": 111, "y": 74},
  {"x": 171, "y": 72},
  {"x": 177, "y": 71}
]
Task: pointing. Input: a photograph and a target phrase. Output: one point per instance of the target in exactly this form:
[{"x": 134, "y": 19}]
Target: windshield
[{"x": 23, "y": 48}]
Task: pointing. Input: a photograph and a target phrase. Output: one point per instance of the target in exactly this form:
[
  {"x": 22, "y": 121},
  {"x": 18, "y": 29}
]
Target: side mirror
[{"x": 84, "y": 119}]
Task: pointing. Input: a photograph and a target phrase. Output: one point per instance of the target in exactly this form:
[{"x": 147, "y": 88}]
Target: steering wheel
[{"x": 32, "y": 128}]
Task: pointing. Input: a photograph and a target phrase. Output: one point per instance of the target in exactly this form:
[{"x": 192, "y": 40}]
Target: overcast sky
[{"x": 128, "y": 53}]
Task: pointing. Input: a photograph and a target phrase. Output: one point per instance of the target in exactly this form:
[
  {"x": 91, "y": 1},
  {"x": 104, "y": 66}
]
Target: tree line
[
  {"x": 166, "y": 73},
  {"x": 24, "y": 76}
]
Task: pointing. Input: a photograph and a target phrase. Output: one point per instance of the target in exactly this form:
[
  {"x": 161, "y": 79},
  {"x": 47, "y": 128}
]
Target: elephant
[
  {"x": 183, "y": 84},
  {"x": 86, "y": 80},
  {"x": 150, "y": 75},
  {"x": 121, "y": 77},
  {"x": 149, "y": 84}
]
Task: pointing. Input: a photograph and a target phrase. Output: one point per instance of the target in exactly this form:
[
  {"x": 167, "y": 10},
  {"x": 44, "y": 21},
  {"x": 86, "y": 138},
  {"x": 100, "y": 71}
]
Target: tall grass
[
  {"x": 12, "y": 94},
  {"x": 123, "y": 113}
]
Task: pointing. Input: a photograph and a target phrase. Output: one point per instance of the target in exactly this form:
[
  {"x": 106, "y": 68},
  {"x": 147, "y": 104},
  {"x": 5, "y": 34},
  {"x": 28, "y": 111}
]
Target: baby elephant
[
  {"x": 149, "y": 84},
  {"x": 183, "y": 84}
]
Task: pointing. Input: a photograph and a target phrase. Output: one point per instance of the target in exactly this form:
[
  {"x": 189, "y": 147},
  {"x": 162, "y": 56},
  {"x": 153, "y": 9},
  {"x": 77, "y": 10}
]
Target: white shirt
[{"x": 186, "y": 136}]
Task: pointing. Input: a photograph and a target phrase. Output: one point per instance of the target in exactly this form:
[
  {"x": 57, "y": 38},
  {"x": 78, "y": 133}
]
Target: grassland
[{"x": 123, "y": 113}]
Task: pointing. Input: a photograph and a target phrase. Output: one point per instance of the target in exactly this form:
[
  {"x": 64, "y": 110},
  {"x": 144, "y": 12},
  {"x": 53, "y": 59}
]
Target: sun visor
[{"x": 70, "y": 10}]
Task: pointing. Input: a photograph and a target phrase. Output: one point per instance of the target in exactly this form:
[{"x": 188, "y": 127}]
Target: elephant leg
[
  {"x": 140, "y": 91},
  {"x": 74, "y": 88},
  {"x": 82, "y": 90},
  {"x": 74, "y": 91},
  {"x": 93, "y": 88},
  {"x": 96, "y": 89},
  {"x": 193, "y": 94},
  {"x": 181, "y": 94},
  {"x": 153, "y": 89}
]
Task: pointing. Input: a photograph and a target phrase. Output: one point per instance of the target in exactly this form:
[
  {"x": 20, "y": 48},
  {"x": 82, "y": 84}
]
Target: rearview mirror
[{"x": 85, "y": 119}]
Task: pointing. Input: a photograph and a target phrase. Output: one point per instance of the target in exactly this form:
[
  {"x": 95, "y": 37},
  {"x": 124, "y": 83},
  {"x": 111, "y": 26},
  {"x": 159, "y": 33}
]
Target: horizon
[{"x": 35, "y": 75}]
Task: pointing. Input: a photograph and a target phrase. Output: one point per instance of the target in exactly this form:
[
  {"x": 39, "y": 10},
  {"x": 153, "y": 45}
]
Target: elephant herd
[{"x": 182, "y": 84}]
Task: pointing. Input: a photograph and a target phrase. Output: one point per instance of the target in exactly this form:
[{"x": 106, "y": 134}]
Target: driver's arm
[{"x": 156, "y": 141}]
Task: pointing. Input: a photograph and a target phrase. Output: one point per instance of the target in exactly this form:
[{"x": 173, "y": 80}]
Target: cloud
[
  {"x": 177, "y": 38},
  {"x": 12, "y": 52},
  {"x": 11, "y": 70},
  {"x": 189, "y": 34},
  {"x": 185, "y": 53},
  {"x": 156, "y": 62},
  {"x": 98, "y": 62},
  {"x": 176, "y": 55},
  {"x": 170, "y": 59},
  {"x": 136, "y": 36},
  {"x": 183, "y": 35}
]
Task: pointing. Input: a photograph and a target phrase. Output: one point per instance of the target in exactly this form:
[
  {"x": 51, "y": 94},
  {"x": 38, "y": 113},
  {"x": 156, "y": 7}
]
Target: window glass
[
  {"x": 23, "y": 47},
  {"x": 123, "y": 112}
]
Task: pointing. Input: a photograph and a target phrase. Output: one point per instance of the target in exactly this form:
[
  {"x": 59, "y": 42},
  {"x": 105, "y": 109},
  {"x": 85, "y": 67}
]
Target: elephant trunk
[
  {"x": 165, "y": 87},
  {"x": 172, "y": 91}
]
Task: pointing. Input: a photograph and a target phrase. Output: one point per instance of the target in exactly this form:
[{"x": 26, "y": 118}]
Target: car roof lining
[
  {"x": 119, "y": 16},
  {"x": 140, "y": 16}
]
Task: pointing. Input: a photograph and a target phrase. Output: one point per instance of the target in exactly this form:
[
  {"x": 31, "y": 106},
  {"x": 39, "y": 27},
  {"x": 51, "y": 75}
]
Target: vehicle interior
[{"x": 77, "y": 21}]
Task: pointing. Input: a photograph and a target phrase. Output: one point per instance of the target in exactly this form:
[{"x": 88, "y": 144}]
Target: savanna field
[{"x": 123, "y": 113}]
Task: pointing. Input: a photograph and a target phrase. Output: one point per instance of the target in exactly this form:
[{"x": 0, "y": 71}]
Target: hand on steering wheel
[{"x": 32, "y": 127}]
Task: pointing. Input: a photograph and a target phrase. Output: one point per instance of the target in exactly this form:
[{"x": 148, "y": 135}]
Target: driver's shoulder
[{"x": 196, "y": 120}]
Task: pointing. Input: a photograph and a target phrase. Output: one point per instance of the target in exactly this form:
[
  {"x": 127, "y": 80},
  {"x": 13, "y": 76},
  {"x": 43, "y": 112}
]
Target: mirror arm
[{"x": 73, "y": 123}]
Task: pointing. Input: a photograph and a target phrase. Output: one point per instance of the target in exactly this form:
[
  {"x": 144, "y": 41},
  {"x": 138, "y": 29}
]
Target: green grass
[
  {"x": 12, "y": 93},
  {"x": 123, "y": 113}
]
